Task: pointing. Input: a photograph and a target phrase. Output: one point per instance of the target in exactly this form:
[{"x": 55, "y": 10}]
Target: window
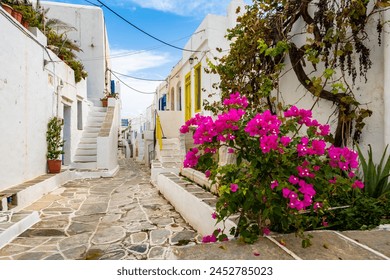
[
  {"x": 198, "y": 88},
  {"x": 187, "y": 96}
]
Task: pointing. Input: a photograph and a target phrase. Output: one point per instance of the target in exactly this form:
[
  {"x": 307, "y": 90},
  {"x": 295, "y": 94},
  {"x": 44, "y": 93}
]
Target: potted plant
[
  {"x": 108, "y": 95},
  {"x": 7, "y": 7},
  {"x": 54, "y": 145}
]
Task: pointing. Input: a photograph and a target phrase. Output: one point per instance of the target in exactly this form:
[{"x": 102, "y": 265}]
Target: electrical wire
[
  {"x": 136, "y": 78},
  {"x": 96, "y": 5},
  {"x": 139, "y": 91},
  {"x": 124, "y": 54},
  {"x": 141, "y": 30}
]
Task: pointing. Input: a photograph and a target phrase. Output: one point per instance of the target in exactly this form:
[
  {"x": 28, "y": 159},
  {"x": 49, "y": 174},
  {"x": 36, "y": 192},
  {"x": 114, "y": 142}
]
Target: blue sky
[{"x": 134, "y": 53}]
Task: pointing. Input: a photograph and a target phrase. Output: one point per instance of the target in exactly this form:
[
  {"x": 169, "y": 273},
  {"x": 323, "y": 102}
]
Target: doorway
[{"x": 66, "y": 157}]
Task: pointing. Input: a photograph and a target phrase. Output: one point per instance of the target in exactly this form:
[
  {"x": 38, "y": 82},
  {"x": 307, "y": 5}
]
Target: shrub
[{"x": 287, "y": 174}]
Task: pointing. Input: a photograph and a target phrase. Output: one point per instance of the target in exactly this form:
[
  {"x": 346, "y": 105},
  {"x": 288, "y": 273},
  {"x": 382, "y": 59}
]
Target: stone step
[
  {"x": 18, "y": 197},
  {"x": 92, "y": 129},
  {"x": 84, "y": 165},
  {"x": 13, "y": 224},
  {"x": 87, "y": 146},
  {"x": 99, "y": 109},
  {"x": 85, "y": 140},
  {"x": 98, "y": 119},
  {"x": 170, "y": 152},
  {"x": 89, "y": 134},
  {"x": 83, "y": 158},
  {"x": 171, "y": 141},
  {"x": 171, "y": 159},
  {"x": 97, "y": 114},
  {"x": 86, "y": 152}
]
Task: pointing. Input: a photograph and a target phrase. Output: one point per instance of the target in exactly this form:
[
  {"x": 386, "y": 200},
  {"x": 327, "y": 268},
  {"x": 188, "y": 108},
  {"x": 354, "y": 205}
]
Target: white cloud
[
  {"x": 184, "y": 7},
  {"x": 129, "y": 61},
  {"x": 133, "y": 102}
]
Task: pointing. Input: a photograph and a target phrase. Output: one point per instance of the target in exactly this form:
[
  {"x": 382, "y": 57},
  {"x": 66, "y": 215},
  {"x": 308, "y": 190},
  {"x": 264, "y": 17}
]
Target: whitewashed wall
[
  {"x": 90, "y": 34},
  {"x": 31, "y": 78}
]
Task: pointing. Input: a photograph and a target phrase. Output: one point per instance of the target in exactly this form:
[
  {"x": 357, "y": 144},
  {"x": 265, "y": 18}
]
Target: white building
[
  {"x": 181, "y": 96},
  {"x": 88, "y": 31},
  {"x": 188, "y": 84}
]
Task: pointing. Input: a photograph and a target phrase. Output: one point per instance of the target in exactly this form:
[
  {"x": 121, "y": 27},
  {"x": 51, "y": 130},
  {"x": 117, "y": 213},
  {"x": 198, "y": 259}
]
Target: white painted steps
[
  {"x": 170, "y": 152},
  {"x": 86, "y": 153}
]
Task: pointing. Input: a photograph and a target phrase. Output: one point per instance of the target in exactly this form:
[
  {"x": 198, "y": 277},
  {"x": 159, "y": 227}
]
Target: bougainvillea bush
[{"x": 286, "y": 177}]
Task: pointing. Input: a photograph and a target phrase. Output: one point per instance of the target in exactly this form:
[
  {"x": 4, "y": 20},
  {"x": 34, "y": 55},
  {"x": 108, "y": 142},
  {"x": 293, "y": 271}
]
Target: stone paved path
[{"x": 123, "y": 217}]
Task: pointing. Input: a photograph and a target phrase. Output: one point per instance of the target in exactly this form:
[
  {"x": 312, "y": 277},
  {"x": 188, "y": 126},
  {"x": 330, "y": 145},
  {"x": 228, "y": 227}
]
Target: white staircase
[
  {"x": 86, "y": 153},
  {"x": 170, "y": 152}
]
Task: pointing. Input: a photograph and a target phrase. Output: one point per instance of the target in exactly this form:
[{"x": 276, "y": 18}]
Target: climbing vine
[{"x": 326, "y": 43}]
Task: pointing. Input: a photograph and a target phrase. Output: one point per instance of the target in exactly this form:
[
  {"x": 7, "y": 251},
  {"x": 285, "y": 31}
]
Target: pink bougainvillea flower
[
  {"x": 263, "y": 124},
  {"x": 268, "y": 143},
  {"x": 303, "y": 172},
  {"x": 207, "y": 173},
  {"x": 358, "y": 184},
  {"x": 233, "y": 187},
  {"x": 292, "y": 112},
  {"x": 286, "y": 192},
  {"x": 293, "y": 180},
  {"x": 333, "y": 181},
  {"x": 266, "y": 231},
  {"x": 325, "y": 224},
  {"x": 351, "y": 174},
  {"x": 274, "y": 184},
  {"x": 318, "y": 147},
  {"x": 324, "y": 130},
  {"x": 184, "y": 129},
  {"x": 317, "y": 205},
  {"x": 236, "y": 99},
  {"x": 209, "y": 238},
  {"x": 285, "y": 140},
  {"x": 191, "y": 158},
  {"x": 231, "y": 151},
  {"x": 214, "y": 215}
]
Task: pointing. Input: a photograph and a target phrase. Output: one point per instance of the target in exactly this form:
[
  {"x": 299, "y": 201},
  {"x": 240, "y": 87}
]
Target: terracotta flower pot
[
  {"x": 104, "y": 102},
  {"x": 54, "y": 165},
  {"x": 17, "y": 15},
  {"x": 25, "y": 23},
  {"x": 7, "y": 8}
]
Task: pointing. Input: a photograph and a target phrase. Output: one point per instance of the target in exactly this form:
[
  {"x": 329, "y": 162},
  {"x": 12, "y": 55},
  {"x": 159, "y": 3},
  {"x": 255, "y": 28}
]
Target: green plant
[
  {"x": 287, "y": 177},
  {"x": 30, "y": 14},
  {"x": 376, "y": 177},
  {"x": 110, "y": 95},
  {"x": 53, "y": 138},
  {"x": 364, "y": 213}
]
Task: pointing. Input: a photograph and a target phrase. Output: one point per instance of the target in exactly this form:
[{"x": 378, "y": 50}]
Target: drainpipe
[{"x": 386, "y": 84}]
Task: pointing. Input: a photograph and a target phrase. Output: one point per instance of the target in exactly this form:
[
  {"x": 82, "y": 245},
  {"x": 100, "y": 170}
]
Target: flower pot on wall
[
  {"x": 25, "y": 23},
  {"x": 54, "y": 165},
  {"x": 7, "y": 8},
  {"x": 104, "y": 102},
  {"x": 17, "y": 15}
]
